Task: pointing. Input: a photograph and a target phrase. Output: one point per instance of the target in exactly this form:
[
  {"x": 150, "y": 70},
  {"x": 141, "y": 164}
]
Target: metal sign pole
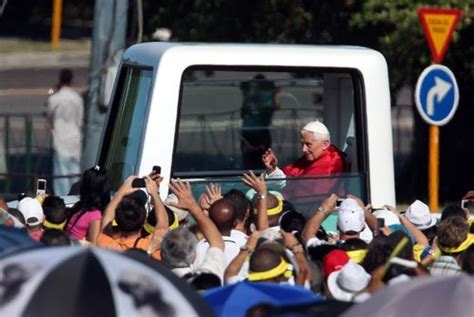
[
  {"x": 433, "y": 169},
  {"x": 439, "y": 26}
]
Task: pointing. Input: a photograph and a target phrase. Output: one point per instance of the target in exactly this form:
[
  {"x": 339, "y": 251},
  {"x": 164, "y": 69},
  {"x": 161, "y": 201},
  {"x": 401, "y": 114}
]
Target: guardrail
[{"x": 25, "y": 152}]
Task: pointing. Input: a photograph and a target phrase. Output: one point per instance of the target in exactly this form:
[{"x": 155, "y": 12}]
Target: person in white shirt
[
  {"x": 222, "y": 214},
  {"x": 178, "y": 248},
  {"x": 65, "y": 112}
]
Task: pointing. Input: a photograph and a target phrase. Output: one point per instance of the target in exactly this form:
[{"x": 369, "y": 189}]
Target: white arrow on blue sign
[{"x": 437, "y": 95}]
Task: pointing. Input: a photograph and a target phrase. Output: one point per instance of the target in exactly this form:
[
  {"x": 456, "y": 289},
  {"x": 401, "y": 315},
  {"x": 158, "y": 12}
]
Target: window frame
[{"x": 123, "y": 77}]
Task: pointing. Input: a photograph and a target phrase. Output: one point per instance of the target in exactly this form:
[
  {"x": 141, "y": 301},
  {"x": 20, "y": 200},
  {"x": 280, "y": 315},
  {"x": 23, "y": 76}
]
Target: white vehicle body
[{"x": 362, "y": 111}]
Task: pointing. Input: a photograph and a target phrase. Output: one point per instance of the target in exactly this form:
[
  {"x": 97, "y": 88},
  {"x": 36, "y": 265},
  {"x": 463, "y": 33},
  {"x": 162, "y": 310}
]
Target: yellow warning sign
[{"x": 439, "y": 25}]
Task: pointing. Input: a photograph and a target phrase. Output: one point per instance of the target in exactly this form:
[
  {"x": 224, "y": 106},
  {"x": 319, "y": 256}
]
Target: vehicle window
[
  {"x": 127, "y": 131},
  {"x": 229, "y": 116}
]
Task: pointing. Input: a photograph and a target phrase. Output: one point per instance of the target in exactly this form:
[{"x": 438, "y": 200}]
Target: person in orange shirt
[{"x": 129, "y": 212}]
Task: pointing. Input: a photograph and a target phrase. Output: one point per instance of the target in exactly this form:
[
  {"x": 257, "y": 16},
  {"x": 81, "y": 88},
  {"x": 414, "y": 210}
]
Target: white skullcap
[{"x": 316, "y": 127}]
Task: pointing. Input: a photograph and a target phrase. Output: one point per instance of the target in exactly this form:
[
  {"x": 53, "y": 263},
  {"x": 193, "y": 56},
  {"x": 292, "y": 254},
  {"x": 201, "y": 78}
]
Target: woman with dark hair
[{"x": 83, "y": 219}]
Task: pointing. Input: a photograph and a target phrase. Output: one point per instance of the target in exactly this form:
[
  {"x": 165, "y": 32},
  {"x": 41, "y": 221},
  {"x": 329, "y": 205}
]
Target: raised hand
[
  {"x": 253, "y": 239},
  {"x": 329, "y": 204},
  {"x": 126, "y": 187},
  {"x": 185, "y": 196},
  {"x": 255, "y": 182},
  {"x": 212, "y": 194},
  {"x": 152, "y": 186},
  {"x": 270, "y": 160}
]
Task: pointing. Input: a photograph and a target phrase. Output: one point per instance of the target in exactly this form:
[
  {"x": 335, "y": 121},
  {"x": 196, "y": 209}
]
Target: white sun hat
[
  {"x": 419, "y": 214},
  {"x": 349, "y": 283}
]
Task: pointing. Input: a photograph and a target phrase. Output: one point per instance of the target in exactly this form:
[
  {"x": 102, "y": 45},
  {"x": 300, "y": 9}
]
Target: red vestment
[{"x": 330, "y": 162}]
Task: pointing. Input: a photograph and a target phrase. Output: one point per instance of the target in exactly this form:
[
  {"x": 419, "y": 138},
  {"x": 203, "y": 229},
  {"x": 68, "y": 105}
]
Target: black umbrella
[{"x": 76, "y": 281}]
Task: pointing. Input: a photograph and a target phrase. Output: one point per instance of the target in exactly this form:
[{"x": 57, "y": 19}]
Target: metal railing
[{"x": 25, "y": 153}]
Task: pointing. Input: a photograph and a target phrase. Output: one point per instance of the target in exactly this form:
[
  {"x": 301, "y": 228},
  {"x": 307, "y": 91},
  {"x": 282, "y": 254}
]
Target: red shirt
[{"x": 330, "y": 162}]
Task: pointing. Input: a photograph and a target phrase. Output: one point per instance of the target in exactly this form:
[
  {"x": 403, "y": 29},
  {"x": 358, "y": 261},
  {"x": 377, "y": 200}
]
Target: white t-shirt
[
  {"x": 239, "y": 237},
  {"x": 231, "y": 250},
  {"x": 213, "y": 262}
]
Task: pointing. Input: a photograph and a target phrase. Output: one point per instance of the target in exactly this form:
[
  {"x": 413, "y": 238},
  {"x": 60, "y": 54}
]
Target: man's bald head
[
  {"x": 272, "y": 202},
  {"x": 264, "y": 259},
  {"x": 223, "y": 215}
]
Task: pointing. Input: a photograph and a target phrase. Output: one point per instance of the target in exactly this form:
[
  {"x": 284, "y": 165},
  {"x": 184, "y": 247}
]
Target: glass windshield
[
  {"x": 229, "y": 117},
  {"x": 130, "y": 110}
]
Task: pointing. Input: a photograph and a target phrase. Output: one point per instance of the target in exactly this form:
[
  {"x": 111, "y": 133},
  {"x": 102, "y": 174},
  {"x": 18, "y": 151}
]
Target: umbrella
[
  {"x": 11, "y": 237},
  {"x": 424, "y": 296},
  {"x": 236, "y": 299},
  {"x": 76, "y": 281}
]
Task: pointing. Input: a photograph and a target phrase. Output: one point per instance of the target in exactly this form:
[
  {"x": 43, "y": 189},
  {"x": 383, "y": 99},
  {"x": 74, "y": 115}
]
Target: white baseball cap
[
  {"x": 419, "y": 214},
  {"x": 350, "y": 216},
  {"x": 316, "y": 127},
  {"x": 31, "y": 210}
]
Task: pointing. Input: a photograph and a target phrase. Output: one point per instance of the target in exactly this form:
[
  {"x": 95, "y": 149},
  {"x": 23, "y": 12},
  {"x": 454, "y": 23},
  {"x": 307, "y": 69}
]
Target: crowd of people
[
  {"x": 226, "y": 238},
  {"x": 222, "y": 238}
]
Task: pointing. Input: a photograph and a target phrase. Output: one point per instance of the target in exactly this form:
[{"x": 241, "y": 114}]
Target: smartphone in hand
[
  {"x": 138, "y": 183},
  {"x": 380, "y": 224},
  {"x": 157, "y": 169}
]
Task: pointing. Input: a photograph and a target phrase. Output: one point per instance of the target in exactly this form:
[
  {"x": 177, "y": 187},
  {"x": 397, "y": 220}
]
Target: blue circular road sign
[{"x": 437, "y": 95}]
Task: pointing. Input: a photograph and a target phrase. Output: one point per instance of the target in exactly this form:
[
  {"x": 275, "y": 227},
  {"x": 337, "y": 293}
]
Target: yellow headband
[
  {"x": 357, "y": 255},
  {"x": 175, "y": 223},
  {"x": 463, "y": 246},
  {"x": 51, "y": 225},
  {"x": 273, "y": 211},
  {"x": 272, "y": 273},
  {"x": 149, "y": 228}
]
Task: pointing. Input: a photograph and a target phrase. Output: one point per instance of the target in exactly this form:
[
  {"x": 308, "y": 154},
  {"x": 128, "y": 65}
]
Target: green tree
[
  {"x": 399, "y": 36},
  {"x": 401, "y": 39}
]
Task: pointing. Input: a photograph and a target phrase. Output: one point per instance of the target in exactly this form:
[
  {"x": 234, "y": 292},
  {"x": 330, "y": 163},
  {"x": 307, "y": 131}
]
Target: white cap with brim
[
  {"x": 31, "y": 210},
  {"x": 349, "y": 283},
  {"x": 180, "y": 213},
  {"x": 316, "y": 127},
  {"x": 419, "y": 214},
  {"x": 350, "y": 216}
]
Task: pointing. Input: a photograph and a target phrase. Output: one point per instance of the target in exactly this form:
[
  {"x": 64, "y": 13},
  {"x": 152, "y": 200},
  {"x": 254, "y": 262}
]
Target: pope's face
[{"x": 312, "y": 147}]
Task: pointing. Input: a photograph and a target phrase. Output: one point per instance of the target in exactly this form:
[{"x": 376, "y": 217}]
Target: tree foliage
[{"x": 401, "y": 39}]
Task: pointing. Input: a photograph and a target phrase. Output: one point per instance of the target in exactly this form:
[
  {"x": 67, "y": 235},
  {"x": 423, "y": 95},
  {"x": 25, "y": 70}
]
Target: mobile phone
[
  {"x": 138, "y": 183},
  {"x": 157, "y": 169},
  {"x": 380, "y": 223},
  {"x": 40, "y": 187},
  {"x": 465, "y": 203}
]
